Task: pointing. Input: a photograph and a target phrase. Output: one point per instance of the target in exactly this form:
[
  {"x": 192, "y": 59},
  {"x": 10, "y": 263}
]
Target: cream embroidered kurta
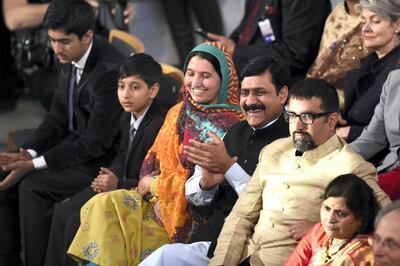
[{"x": 283, "y": 190}]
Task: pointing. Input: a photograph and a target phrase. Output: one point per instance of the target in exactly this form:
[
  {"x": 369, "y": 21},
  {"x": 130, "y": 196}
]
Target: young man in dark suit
[
  {"x": 78, "y": 135},
  {"x": 137, "y": 88},
  {"x": 223, "y": 168}
]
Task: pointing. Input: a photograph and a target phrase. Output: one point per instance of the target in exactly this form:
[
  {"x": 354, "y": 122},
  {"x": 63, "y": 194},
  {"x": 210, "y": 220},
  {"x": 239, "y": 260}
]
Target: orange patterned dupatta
[{"x": 189, "y": 120}]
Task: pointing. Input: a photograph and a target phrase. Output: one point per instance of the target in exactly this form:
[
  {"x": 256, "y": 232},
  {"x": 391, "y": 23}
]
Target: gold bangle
[{"x": 153, "y": 200}]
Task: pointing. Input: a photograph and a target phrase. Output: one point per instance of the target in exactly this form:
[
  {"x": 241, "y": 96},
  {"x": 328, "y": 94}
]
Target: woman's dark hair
[
  {"x": 213, "y": 61},
  {"x": 359, "y": 198}
]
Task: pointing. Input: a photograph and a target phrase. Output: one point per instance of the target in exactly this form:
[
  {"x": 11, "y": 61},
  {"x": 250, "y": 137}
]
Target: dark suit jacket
[
  {"x": 297, "y": 25},
  {"x": 96, "y": 115},
  {"x": 143, "y": 140}
]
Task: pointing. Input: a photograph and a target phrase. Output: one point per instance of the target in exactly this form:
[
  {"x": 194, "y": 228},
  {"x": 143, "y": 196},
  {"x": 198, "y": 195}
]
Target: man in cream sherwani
[{"x": 289, "y": 181}]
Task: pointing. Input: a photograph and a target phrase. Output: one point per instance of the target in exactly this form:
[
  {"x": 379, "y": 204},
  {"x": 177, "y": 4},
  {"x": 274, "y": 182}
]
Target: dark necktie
[
  {"x": 132, "y": 131},
  {"x": 244, "y": 38},
  {"x": 72, "y": 86}
]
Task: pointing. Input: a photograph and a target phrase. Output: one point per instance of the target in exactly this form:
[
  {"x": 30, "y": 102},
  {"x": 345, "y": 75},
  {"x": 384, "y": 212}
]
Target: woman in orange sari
[{"x": 121, "y": 227}]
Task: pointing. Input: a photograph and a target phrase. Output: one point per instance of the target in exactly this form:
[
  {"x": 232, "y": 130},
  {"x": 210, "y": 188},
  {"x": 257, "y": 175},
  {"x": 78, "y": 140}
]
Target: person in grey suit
[
  {"x": 78, "y": 135},
  {"x": 383, "y": 131}
]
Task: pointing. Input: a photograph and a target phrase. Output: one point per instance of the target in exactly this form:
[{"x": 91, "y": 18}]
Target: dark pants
[
  {"x": 177, "y": 12},
  {"x": 9, "y": 227},
  {"x": 34, "y": 198},
  {"x": 64, "y": 224}
]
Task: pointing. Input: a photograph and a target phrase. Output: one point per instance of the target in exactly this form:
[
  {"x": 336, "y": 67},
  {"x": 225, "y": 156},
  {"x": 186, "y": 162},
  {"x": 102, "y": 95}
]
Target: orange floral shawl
[{"x": 184, "y": 121}]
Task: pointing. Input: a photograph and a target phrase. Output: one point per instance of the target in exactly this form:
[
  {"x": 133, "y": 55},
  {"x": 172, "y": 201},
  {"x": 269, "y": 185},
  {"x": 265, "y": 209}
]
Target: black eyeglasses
[{"x": 305, "y": 118}]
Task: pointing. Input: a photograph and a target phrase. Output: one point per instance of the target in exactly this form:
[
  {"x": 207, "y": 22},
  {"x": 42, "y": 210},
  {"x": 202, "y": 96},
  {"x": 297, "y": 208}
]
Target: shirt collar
[
  {"x": 267, "y": 125},
  {"x": 136, "y": 122},
  {"x": 82, "y": 62}
]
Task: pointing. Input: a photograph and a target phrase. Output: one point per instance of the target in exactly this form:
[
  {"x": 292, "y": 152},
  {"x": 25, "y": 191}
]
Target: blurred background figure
[
  {"x": 341, "y": 46},
  {"x": 19, "y": 21},
  {"x": 380, "y": 26},
  {"x": 178, "y": 14}
]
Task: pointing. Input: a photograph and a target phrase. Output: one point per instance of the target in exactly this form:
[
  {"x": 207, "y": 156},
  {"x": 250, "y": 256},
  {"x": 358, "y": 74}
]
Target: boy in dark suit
[
  {"x": 78, "y": 135},
  {"x": 137, "y": 88}
]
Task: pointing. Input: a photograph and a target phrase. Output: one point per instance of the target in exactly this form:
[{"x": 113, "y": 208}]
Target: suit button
[
  {"x": 251, "y": 141},
  {"x": 245, "y": 162},
  {"x": 287, "y": 186},
  {"x": 257, "y": 247}
]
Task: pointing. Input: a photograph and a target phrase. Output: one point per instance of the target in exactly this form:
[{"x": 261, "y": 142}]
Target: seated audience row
[
  {"x": 138, "y": 86},
  {"x": 380, "y": 21},
  {"x": 78, "y": 135},
  {"x": 188, "y": 179},
  {"x": 264, "y": 91},
  {"x": 210, "y": 105}
]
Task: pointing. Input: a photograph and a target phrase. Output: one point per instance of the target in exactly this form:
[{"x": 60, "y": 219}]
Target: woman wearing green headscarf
[{"x": 121, "y": 227}]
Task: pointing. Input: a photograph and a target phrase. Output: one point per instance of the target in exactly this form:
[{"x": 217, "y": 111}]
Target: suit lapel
[
  {"x": 140, "y": 131},
  {"x": 145, "y": 122},
  {"x": 88, "y": 69}
]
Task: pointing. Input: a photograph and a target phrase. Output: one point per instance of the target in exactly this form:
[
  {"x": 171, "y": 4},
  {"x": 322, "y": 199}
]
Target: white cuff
[
  {"x": 194, "y": 194},
  {"x": 237, "y": 178},
  {"x": 39, "y": 163},
  {"x": 33, "y": 153}
]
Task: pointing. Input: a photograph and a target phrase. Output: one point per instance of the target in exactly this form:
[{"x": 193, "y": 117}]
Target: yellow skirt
[{"x": 117, "y": 228}]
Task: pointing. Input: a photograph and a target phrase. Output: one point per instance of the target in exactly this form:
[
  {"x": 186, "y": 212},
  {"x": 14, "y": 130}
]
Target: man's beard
[{"x": 304, "y": 144}]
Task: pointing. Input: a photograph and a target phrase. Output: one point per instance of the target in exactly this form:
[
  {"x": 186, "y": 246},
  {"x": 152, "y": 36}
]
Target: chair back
[
  {"x": 173, "y": 72},
  {"x": 126, "y": 43}
]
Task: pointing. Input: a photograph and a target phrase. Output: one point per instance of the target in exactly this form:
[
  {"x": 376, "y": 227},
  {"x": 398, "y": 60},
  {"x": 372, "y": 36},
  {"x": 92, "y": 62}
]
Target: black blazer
[
  {"x": 297, "y": 27},
  {"x": 143, "y": 140},
  {"x": 96, "y": 115}
]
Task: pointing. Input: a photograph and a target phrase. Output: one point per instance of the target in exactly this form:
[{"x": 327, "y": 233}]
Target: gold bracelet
[{"x": 153, "y": 200}]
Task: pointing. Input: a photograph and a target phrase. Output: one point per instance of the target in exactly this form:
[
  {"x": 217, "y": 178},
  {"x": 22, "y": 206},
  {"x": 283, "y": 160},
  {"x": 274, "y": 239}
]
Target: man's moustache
[
  {"x": 301, "y": 132},
  {"x": 254, "y": 107}
]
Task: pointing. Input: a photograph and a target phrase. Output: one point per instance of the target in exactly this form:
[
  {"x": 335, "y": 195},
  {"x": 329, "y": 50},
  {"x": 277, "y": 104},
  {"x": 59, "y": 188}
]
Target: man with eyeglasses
[
  {"x": 289, "y": 180},
  {"x": 386, "y": 244}
]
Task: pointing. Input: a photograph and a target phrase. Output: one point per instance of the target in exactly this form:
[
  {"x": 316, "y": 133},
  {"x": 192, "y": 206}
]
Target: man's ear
[
  {"x": 87, "y": 37},
  {"x": 283, "y": 94},
  {"x": 397, "y": 23},
  {"x": 333, "y": 120},
  {"x": 154, "y": 90}
]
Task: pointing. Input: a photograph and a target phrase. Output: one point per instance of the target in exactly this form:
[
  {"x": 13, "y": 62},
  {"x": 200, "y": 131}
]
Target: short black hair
[
  {"x": 319, "y": 88},
  {"x": 143, "y": 66},
  {"x": 279, "y": 71},
  {"x": 209, "y": 57},
  {"x": 70, "y": 16},
  {"x": 359, "y": 198}
]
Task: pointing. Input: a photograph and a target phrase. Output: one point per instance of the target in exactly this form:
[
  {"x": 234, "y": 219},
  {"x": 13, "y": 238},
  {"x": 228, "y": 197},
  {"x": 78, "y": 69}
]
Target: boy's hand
[{"x": 105, "y": 181}]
